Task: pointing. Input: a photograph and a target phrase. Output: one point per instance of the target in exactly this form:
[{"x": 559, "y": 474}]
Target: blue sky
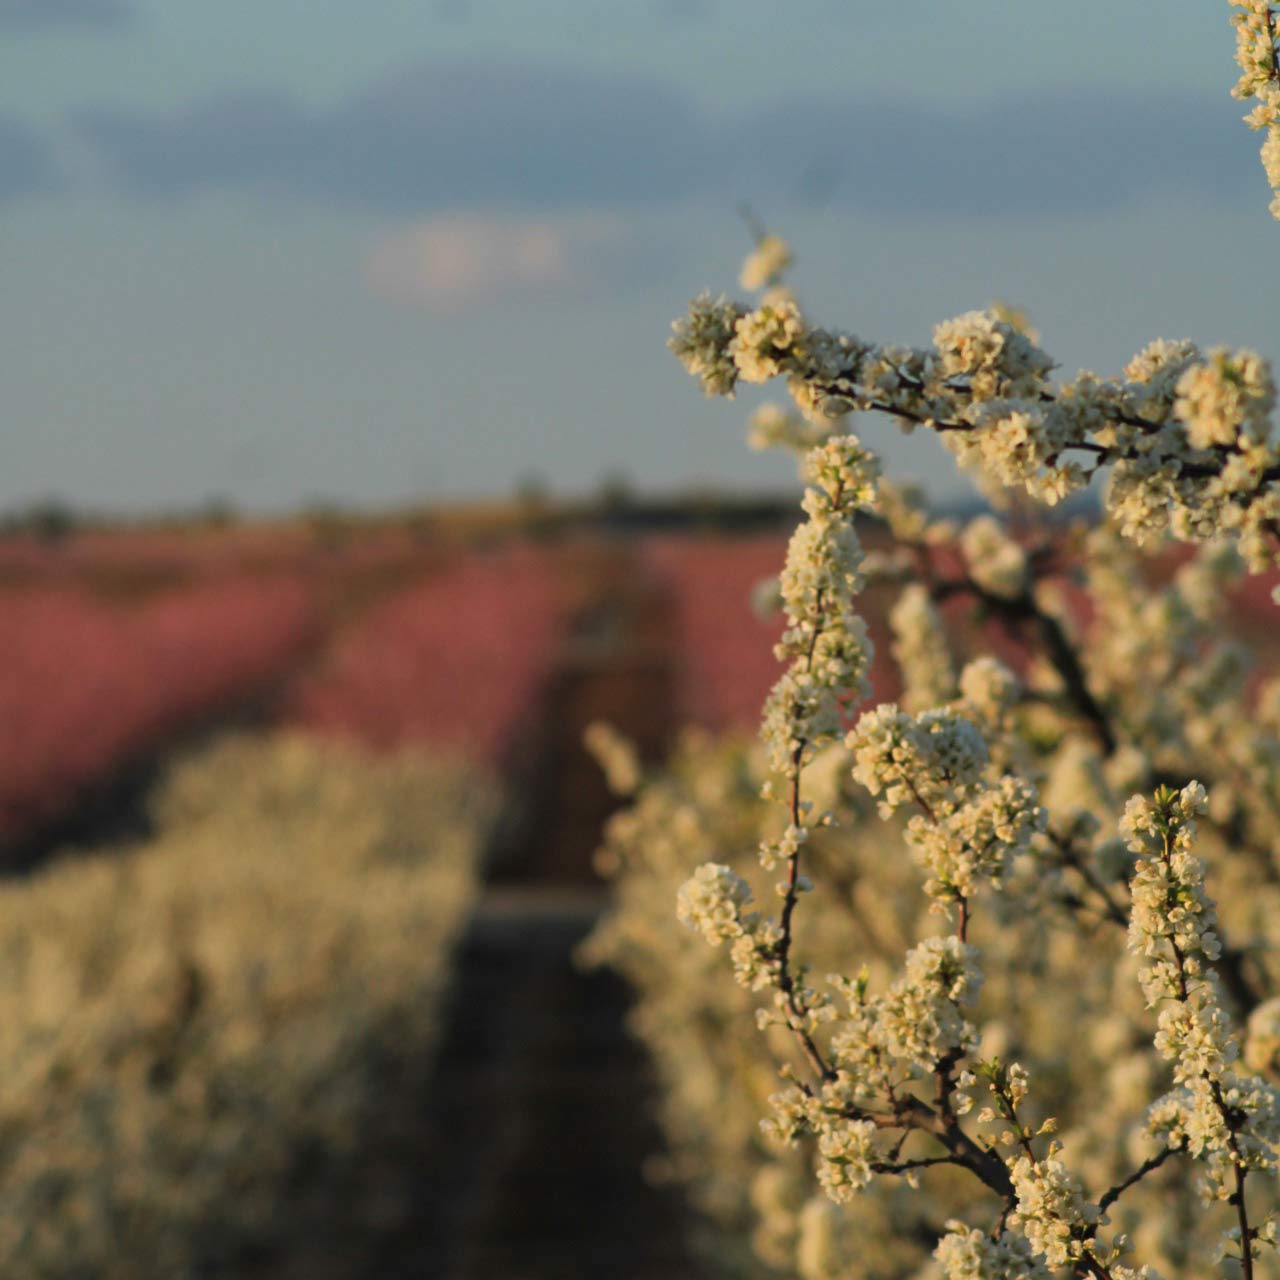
[{"x": 383, "y": 251}]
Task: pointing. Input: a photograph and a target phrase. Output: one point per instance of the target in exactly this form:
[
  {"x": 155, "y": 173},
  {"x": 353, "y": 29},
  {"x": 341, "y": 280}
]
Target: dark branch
[{"x": 1148, "y": 1166}]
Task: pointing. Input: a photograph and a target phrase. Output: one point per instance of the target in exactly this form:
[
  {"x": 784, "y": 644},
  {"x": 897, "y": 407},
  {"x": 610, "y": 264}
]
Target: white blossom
[
  {"x": 996, "y": 562},
  {"x": 1052, "y": 1211},
  {"x": 765, "y": 341},
  {"x": 989, "y": 690},
  {"x": 1226, "y": 400},
  {"x": 921, "y": 650},
  {"x": 1256, "y": 55},
  {"x": 1229, "y": 1122},
  {"x": 712, "y": 901},
  {"x": 1262, "y": 1048},
  {"x": 965, "y": 1253},
  {"x": 616, "y": 755},
  {"x": 1211, "y": 470},
  {"x": 846, "y": 1152},
  {"x": 826, "y": 642},
  {"x": 700, "y": 341},
  {"x": 765, "y": 263}
]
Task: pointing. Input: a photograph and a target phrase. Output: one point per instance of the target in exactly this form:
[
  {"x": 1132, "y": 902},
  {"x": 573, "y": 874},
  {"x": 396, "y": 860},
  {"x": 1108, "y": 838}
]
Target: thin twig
[{"x": 1148, "y": 1166}]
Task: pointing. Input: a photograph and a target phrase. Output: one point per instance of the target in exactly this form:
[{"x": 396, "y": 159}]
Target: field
[
  {"x": 321, "y": 704},
  {"x": 318, "y": 806},
  {"x": 117, "y": 649}
]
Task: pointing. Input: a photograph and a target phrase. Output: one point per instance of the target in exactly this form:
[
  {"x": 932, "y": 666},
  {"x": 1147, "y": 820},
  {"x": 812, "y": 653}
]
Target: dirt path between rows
[{"x": 542, "y": 1122}]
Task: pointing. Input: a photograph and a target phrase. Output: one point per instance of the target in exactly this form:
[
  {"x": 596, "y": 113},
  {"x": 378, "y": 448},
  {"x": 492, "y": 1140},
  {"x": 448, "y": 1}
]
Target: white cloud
[{"x": 467, "y": 260}]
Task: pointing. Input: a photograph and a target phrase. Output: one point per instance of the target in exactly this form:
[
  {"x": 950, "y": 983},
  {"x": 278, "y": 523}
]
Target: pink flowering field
[
  {"x": 458, "y": 661},
  {"x": 87, "y": 686},
  {"x": 113, "y": 646},
  {"x": 723, "y": 646}
]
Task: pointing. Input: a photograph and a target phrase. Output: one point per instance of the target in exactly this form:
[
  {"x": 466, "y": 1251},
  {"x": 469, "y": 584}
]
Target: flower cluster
[
  {"x": 878, "y": 1043},
  {"x": 616, "y": 756},
  {"x": 701, "y": 342},
  {"x": 712, "y": 900},
  {"x": 921, "y": 650},
  {"x": 1226, "y": 401},
  {"x": 1187, "y": 437},
  {"x": 765, "y": 264},
  {"x": 1262, "y": 1048},
  {"x": 1259, "y": 62},
  {"x": 988, "y": 690},
  {"x": 825, "y": 643},
  {"x": 1052, "y": 1212},
  {"x": 929, "y": 759},
  {"x": 970, "y": 824},
  {"x": 920, "y": 1019},
  {"x": 1230, "y": 1122},
  {"x": 847, "y": 1156},
  {"x": 965, "y": 1253},
  {"x": 766, "y": 341},
  {"x": 996, "y": 562}
]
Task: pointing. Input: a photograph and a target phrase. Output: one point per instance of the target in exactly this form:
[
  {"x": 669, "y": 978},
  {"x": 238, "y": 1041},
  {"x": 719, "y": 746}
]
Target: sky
[{"x": 275, "y": 252}]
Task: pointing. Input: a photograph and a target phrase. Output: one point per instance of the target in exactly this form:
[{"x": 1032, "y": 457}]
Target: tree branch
[{"x": 1148, "y": 1166}]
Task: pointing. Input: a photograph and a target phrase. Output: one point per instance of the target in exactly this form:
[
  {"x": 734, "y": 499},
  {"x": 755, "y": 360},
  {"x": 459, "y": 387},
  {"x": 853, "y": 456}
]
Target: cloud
[
  {"x": 433, "y": 138},
  {"x": 1022, "y": 155},
  {"x": 465, "y": 260},
  {"x": 443, "y": 137},
  {"x": 48, "y": 13},
  {"x": 26, "y": 164}
]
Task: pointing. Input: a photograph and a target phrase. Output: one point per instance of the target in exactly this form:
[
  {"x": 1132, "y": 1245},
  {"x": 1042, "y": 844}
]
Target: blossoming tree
[{"x": 1041, "y": 1027}]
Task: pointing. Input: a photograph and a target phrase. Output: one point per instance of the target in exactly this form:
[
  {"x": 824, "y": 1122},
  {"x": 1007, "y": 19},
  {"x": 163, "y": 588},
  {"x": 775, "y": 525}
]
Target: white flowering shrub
[
  {"x": 194, "y": 1027},
  {"x": 1004, "y": 951},
  {"x": 1000, "y": 945}
]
